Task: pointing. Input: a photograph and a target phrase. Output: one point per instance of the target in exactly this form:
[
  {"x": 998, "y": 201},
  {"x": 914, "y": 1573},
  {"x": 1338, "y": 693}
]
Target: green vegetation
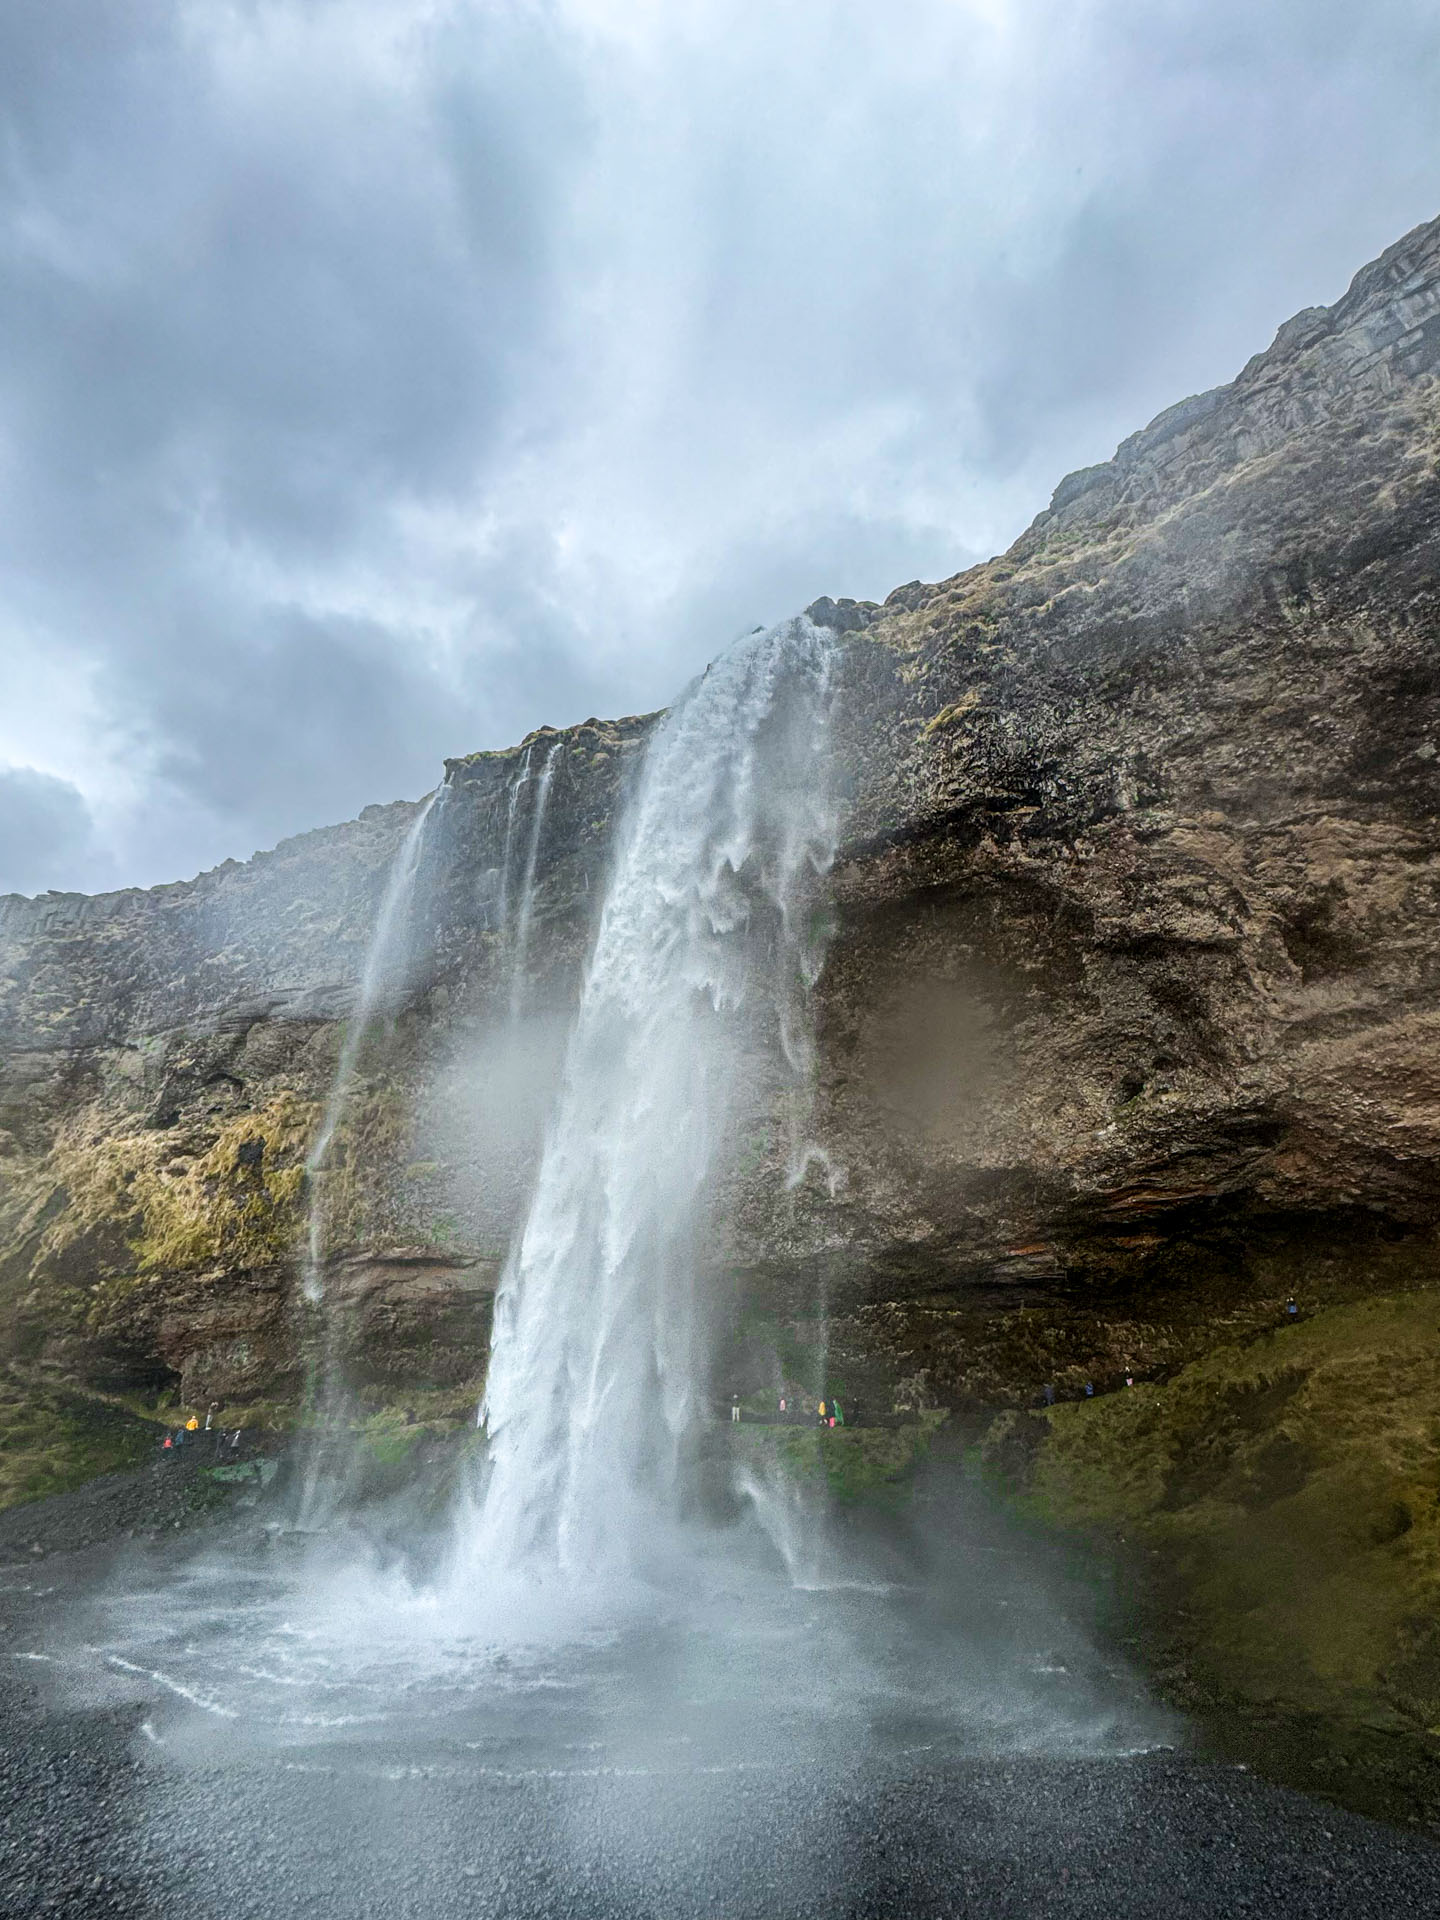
[
  {"x": 848, "y": 1463},
  {"x": 422, "y": 1454},
  {"x": 445, "y": 1230},
  {"x": 129, "y": 1204},
  {"x": 372, "y": 1131},
  {"x": 52, "y": 1440},
  {"x": 947, "y": 716},
  {"x": 1289, "y": 1487}
]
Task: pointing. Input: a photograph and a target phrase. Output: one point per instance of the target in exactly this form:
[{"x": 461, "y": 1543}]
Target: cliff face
[
  {"x": 1127, "y": 1036},
  {"x": 1141, "y": 933},
  {"x": 166, "y": 1058},
  {"x": 1127, "y": 1028}
]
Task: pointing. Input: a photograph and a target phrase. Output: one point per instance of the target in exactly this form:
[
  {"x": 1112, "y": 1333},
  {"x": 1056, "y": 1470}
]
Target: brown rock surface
[{"x": 1141, "y": 897}]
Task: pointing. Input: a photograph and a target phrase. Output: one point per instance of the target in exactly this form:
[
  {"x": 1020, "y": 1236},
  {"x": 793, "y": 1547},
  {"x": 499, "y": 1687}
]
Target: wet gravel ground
[
  {"x": 97, "y": 1818},
  {"x": 87, "y": 1827},
  {"x": 173, "y": 1495}
]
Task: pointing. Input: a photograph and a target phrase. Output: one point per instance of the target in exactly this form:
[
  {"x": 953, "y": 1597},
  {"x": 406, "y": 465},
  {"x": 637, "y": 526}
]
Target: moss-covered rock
[
  {"x": 1290, "y": 1487},
  {"x": 847, "y": 1464},
  {"x": 118, "y": 1205},
  {"x": 52, "y": 1440}
]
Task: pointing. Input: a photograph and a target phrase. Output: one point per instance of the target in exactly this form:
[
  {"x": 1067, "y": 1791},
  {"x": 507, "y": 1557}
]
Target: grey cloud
[
  {"x": 46, "y": 833},
  {"x": 279, "y": 310},
  {"x": 380, "y": 379}
]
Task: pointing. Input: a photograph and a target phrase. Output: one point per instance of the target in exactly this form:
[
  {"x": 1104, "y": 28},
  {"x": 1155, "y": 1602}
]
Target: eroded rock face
[
  {"x": 1136, "y": 965},
  {"x": 1140, "y": 922},
  {"x": 166, "y": 1056}
]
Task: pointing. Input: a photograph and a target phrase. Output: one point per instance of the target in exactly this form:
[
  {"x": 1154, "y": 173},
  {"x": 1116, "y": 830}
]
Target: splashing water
[
  {"x": 598, "y": 1372},
  {"x": 376, "y": 983}
]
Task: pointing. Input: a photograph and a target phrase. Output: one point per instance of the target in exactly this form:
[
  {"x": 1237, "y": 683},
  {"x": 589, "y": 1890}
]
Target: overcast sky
[{"x": 381, "y": 379}]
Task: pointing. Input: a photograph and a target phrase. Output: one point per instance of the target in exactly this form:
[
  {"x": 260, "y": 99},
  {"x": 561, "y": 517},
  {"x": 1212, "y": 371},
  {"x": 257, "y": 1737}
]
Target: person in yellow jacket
[{"x": 192, "y": 1425}]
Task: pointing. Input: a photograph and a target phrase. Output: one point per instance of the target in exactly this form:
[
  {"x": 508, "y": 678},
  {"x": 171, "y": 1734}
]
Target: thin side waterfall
[
  {"x": 376, "y": 981},
  {"x": 599, "y": 1369},
  {"x": 520, "y": 945},
  {"x": 517, "y": 787}
]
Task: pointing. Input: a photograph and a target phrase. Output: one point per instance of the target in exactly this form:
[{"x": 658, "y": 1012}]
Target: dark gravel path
[{"x": 172, "y": 1495}]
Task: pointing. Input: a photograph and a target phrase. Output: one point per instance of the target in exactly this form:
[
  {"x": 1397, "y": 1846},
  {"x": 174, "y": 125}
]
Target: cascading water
[
  {"x": 599, "y": 1369},
  {"x": 377, "y": 981},
  {"x": 520, "y": 941},
  {"x": 382, "y": 974},
  {"x": 512, "y": 808}
]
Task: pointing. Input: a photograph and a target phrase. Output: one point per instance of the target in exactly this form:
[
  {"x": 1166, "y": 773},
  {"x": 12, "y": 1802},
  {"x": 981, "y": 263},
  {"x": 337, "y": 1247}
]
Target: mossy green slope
[
  {"x": 847, "y": 1464},
  {"x": 52, "y": 1440},
  {"x": 1291, "y": 1486}
]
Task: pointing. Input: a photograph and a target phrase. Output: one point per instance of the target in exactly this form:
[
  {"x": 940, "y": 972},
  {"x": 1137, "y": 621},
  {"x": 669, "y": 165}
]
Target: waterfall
[
  {"x": 598, "y": 1372},
  {"x": 376, "y": 982},
  {"x": 520, "y": 944},
  {"x": 517, "y": 786}
]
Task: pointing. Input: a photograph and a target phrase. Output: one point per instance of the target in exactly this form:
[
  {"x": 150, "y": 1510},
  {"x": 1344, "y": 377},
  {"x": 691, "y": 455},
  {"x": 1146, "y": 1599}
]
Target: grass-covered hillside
[{"x": 1289, "y": 1491}]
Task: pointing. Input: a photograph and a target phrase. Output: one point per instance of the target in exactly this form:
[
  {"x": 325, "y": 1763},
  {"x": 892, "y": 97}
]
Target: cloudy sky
[{"x": 380, "y": 379}]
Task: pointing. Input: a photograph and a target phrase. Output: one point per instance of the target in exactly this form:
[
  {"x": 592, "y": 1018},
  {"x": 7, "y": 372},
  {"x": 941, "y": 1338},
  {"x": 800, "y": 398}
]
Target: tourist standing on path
[{"x": 735, "y": 1409}]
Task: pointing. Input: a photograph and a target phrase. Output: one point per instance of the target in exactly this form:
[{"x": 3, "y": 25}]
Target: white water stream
[
  {"x": 598, "y": 1372},
  {"x": 378, "y": 980},
  {"x": 525, "y": 911},
  {"x": 512, "y": 809}
]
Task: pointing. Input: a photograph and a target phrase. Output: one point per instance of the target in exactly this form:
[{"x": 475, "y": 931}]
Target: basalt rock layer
[{"x": 1128, "y": 1026}]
